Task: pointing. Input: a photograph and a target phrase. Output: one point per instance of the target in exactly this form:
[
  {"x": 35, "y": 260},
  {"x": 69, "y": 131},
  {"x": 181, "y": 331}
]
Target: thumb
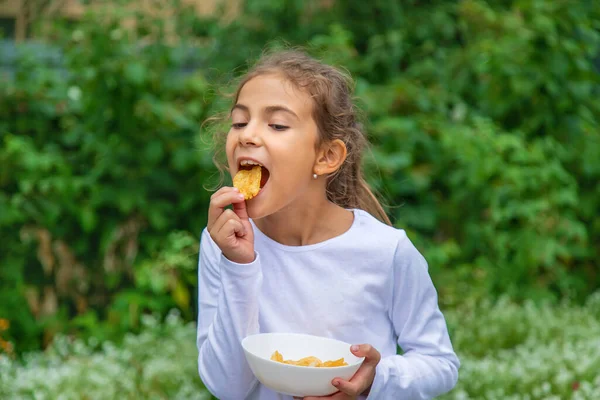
[
  {"x": 372, "y": 356},
  {"x": 240, "y": 210}
]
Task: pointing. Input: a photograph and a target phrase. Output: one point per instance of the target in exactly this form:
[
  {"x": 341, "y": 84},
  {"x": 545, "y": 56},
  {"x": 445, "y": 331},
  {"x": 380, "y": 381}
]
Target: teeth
[{"x": 249, "y": 162}]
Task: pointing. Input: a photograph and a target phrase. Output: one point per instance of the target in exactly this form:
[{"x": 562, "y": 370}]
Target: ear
[{"x": 330, "y": 157}]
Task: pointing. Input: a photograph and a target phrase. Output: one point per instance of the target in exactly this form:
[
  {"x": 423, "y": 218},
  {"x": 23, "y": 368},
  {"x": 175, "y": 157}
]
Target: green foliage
[
  {"x": 97, "y": 167},
  {"x": 483, "y": 118},
  {"x": 482, "y": 138}
]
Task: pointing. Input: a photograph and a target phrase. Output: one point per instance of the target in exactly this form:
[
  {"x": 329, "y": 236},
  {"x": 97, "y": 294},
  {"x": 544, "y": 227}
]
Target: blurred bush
[
  {"x": 100, "y": 174},
  {"x": 483, "y": 116}
]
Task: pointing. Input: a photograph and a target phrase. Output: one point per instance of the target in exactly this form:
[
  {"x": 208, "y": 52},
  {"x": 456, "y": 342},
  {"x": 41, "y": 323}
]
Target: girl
[{"x": 314, "y": 251}]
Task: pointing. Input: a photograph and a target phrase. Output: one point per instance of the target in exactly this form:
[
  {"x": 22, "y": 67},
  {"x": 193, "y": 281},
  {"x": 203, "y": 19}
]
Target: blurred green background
[{"x": 484, "y": 119}]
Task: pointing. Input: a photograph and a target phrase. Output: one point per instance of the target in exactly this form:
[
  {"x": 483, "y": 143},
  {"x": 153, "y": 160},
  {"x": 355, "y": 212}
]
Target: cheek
[
  {"x": 292, "y": 168},
  {"x": 297, "y": 154},
  {"x": 293, "y": 174}
]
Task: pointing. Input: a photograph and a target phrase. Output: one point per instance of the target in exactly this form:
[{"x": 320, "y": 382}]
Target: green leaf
[{"x": 136, "y": 73}]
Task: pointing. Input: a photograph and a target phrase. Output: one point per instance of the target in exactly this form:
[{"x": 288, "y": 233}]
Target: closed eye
[
  {"x": 278, "y": 127},
  {"x": 239, "y": 125}
]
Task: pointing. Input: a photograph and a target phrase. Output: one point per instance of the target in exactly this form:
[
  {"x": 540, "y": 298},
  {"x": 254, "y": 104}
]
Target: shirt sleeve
[
  {"x": 227, "y": 313},
  {"x": 429, "y": 366}
]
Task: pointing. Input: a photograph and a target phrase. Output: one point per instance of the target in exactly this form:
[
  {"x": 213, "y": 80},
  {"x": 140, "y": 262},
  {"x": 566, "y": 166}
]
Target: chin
[
  {"x": 255, "y": 210},
  {"x": 259, "y": 208}
]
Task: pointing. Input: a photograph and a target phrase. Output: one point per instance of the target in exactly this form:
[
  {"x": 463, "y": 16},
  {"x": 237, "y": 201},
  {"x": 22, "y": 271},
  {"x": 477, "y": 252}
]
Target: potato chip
[
  {"x": 310, "y": 361},
  {"x": 334, "y": 363},
  {"x": 277, "y": 356},
  {"x": 248, "y": 181}
]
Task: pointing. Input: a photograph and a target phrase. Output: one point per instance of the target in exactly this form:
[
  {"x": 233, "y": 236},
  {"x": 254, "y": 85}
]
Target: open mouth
[{"x": 264, "y": 175}]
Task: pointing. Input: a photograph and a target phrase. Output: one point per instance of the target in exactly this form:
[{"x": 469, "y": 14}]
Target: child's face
[{"x": 272, "y": 124}]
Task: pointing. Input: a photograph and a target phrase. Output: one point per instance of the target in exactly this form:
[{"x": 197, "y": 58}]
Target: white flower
[
  {"x": 74, "y": 93},
  {"x": 77, "y": 35},
  {"x": 116, "y": 34}
]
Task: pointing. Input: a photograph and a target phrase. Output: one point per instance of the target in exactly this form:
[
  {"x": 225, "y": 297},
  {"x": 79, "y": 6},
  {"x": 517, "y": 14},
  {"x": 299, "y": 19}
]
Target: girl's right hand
[{"x": 231, "y": 229}]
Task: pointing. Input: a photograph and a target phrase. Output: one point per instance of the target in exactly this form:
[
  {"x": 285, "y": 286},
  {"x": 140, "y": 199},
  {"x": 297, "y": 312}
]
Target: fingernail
[
  {"x": 236, "y": 189},
  {"x": 354, "y": 347},
  {"x": 241, "y": 197},
  {"x": 336, "y": 383}
]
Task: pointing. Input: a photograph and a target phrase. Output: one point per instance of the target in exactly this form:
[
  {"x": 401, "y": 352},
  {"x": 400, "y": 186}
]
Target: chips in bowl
[
  {"x": 303, "y": 377},
  {"x": 310, "y": 361}
]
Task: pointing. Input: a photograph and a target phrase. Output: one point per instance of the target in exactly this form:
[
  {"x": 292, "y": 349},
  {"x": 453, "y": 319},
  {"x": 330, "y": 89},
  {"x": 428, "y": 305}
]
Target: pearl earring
[{"x": 315, "y": 176}]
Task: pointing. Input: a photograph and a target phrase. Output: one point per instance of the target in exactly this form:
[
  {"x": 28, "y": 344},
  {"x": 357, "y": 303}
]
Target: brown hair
[{"x": 336, "y": 117}]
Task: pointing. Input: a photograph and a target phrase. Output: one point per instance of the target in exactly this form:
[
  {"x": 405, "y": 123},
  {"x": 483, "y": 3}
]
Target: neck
[{"x": 300, "y": 225}]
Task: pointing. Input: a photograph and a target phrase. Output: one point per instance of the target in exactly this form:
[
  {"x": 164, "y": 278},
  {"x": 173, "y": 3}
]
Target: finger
[
  {"x": 361, "y": 381},
  {"x": 363, "y": 378},
  {"x": 241, "y": 210},
  {"x": 221, "y": 199},
  {"x": 222, "y": 220},
  {"x": 351, "y": 388},
  {"x": 231, "y": 229},
  {"x": 372, "y": 356},
  {"x": 224, "y": 189}
]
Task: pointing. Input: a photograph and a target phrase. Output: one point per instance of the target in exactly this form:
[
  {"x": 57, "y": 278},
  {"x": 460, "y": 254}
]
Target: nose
[{"x": 249, "y": 136}]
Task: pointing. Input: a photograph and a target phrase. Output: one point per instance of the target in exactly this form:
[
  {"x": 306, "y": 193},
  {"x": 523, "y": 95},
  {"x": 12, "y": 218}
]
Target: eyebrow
[{"x": 268, "y": 110}]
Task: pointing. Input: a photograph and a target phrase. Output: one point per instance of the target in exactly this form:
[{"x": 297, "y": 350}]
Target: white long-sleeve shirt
[{"x": 368, "y": 285}]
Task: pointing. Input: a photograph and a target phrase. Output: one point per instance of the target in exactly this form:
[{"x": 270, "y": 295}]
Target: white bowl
[{"x": 294, "y": 380}]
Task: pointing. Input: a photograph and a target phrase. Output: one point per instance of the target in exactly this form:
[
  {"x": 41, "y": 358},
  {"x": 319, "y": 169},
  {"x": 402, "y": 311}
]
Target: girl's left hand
[{"x": 362, "y": 380}]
